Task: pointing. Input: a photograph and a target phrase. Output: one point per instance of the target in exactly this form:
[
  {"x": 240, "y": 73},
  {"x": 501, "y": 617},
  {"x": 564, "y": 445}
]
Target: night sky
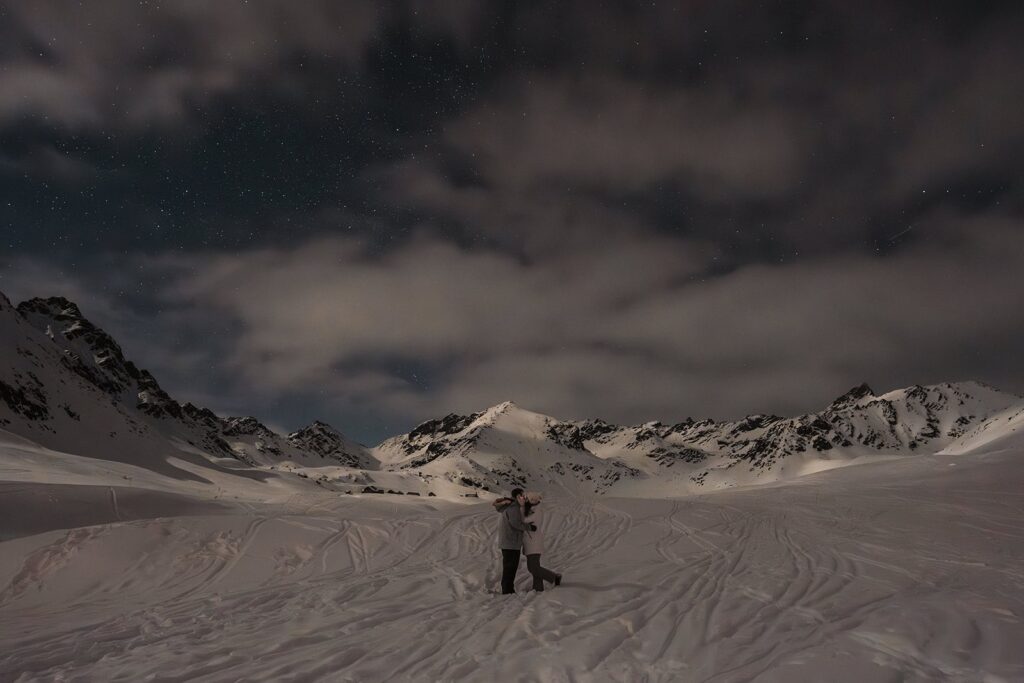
[{"x": 374, "y": 213}]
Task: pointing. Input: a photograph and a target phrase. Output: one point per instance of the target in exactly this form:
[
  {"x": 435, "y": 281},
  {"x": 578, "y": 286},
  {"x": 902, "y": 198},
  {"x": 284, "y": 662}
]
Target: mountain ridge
[{"x": 64, "y": 382}]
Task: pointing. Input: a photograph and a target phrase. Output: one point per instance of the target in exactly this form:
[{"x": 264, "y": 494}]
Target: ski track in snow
[{"x": 840, "y": 577}]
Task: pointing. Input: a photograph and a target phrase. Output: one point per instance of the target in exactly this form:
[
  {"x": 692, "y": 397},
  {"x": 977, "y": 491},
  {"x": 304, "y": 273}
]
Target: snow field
[{"x": 906, "y": 570}]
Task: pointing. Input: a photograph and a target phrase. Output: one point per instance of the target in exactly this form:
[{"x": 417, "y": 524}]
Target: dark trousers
[
  {"x": 540, "y": 574},
  {"x": 509, "y": 567}
]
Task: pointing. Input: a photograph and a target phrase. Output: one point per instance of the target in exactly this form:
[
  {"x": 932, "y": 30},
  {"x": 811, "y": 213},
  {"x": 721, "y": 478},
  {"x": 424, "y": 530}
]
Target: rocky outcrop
[
  {"x": 321, "y": 439},
  {"x": 71, "y": 341}
]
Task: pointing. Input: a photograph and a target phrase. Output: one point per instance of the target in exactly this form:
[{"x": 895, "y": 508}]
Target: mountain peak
[
  {"x": 57, "y": 309},
  {"x": 855, "y": 394},
  {"x": 246, "y": 425},
  {"x": 324, "y": 440},
  {"x": 94, "y": 355},
  {"x": 963, "y": 388},
  {"x": 43, "y": 313},
  {"x": 450, "y": 424},
  {"x": 53, "y": 305},
  {"x": 315, "y": 427},
  {"x": 973, "y": 385},
  {"x": 512, "y": 416}
]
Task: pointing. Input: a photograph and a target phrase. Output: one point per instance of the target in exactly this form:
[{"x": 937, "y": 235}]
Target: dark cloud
[
  {"x": 630, "y": 332},
  {"x": 136, "y": 64},
  {"x": 621, "y": 136},
  {"x": 386, "y": 211}
]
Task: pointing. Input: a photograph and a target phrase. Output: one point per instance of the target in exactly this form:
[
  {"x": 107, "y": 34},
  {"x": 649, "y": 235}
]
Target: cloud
[
  {"x": 631, "y": 331},
  {"x": 624, "y": 135},
  {"x": 307, "y": 308},
  {"x": 806, "y": 149},
  {"x": 132, "y": 64},
  {"x": 555, "y": 160},
  {"x": 612, "y": 210},
  {"x": 555, "y": 163},
  {"x": 30, "y": 89}
]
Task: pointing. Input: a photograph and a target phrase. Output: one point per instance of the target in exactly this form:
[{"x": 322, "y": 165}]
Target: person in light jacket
[
  {"x": 533, "y": 543},
  {"x": 510, "y": 537}
]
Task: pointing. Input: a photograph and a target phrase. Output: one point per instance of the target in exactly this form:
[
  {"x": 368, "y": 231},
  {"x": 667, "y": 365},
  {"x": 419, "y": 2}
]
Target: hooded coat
[
  {"x": 511, "y": 526},
  {"x": 533, "y": 541}
]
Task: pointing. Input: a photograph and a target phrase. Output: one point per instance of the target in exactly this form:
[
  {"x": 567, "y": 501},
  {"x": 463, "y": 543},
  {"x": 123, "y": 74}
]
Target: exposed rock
[
  {"x": 321, "y": 439},
  {"x": 246, "y": 426},
  {"x": 854, "y": 395},
  {"x": 26, "y": 400}
]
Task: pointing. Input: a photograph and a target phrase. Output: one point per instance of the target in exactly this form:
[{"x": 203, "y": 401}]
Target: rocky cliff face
[
  {"x": 323, "y": 440},
  {"x": 66, "y": 383},
  {"x": 93, "y": 355}
]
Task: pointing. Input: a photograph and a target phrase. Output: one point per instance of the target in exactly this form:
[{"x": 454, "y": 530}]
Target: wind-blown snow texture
[{"x": 145, "y": 539}]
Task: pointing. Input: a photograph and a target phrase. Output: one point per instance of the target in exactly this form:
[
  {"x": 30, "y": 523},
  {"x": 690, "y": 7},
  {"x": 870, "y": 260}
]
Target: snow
[
  {"x": 142, "y": 539},
  {"x": 907, "y": 569}
]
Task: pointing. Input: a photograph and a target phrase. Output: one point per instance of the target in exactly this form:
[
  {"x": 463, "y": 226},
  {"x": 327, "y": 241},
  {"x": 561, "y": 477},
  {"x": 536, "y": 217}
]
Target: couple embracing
[{"x": 519, "y": 531}]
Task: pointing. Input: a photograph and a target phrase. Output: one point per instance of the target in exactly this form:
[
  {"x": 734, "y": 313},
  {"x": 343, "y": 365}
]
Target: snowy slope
[
  {"x": 143, "y": 539},
  {"x": 498, "y": 449},
  {"x": 318, "y": 445},
  {"x": 858, "y": 426},
  {"x": 65, "y": 384},
  {"x": 506, "y": 446},
  {"x": 1003, "y": 430},
  {"x": 320, "y": 438},
  {"x": 904, "y": 570}
]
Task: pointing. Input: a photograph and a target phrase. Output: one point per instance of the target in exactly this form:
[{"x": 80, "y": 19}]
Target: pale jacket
[
  {"x": 511, "y": 527},
  {"x": 533, "y": 541}
]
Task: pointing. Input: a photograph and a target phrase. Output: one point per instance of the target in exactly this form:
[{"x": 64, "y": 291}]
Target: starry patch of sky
[{"x": 377, "y": 213}]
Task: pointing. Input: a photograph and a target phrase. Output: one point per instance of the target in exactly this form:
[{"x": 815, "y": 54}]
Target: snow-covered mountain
[
  {"x": 66, "y": 385},
  {"x": 506, "y": 446},
  {"x": 760, "y": 448},
  {"x": 320, "y": 438},
  {"x": 500, "y": 448}
]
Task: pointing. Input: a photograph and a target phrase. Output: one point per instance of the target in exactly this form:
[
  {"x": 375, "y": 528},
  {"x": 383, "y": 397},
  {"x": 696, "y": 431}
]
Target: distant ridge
[{"x": 66, "y": 384}]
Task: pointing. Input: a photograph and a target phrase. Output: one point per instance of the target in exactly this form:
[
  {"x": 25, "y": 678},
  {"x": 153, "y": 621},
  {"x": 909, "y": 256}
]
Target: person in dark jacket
[{"x": 510, "y": 537}]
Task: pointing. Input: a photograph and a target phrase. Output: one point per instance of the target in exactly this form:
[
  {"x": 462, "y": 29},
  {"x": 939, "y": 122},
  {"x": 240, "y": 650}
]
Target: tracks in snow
[{"x": 720, "y": 589}]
